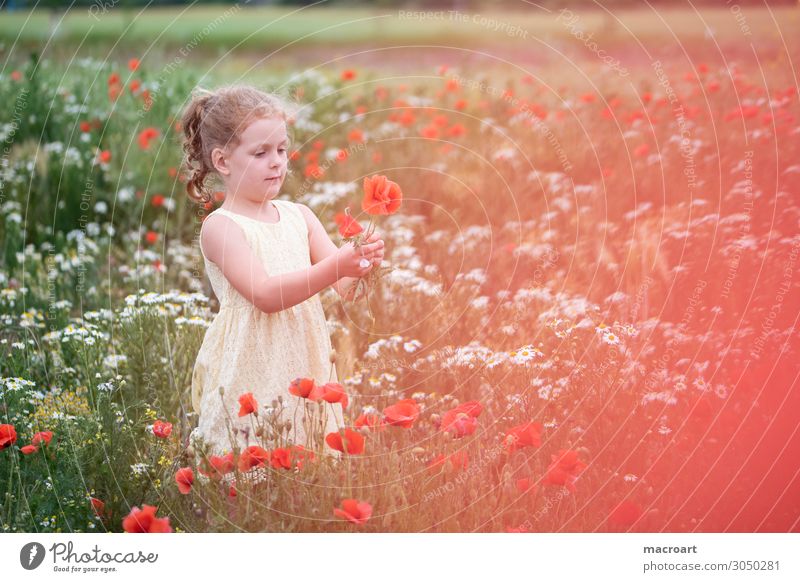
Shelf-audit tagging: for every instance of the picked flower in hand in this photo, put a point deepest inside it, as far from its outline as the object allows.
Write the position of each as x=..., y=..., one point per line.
x=381, y=197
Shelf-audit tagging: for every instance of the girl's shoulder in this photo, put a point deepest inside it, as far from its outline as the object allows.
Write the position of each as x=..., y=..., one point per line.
x=216, y=230
x=304, y=212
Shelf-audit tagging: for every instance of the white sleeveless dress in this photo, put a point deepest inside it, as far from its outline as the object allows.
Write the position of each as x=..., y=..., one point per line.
x=248, y=350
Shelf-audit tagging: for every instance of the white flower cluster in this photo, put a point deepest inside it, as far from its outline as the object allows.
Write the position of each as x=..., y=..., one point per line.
x=408, y=280
x=393, y=343
x=139, y=469
x=326, y=194
x=87, y=333
x=174, y=296
x=470, y=238
x=113, y=361
x=15, y=384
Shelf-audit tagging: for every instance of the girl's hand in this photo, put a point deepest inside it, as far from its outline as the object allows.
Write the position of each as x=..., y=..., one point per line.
x=378, y=256
x=348, y=259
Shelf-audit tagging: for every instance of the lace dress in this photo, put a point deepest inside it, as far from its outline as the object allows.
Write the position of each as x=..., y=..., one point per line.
x=248, y=350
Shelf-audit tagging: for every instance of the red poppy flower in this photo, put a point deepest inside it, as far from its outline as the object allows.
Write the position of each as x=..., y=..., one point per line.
x=564, y=469
x=334, y=392
x=145, y=521
x=8, y=436
x=151, y=237
x=146, y=135
x=305, y=388
x=429, y=131
x=402, y=414
x=354, y=510
x=16, y=75
x=247, y=404
x=352, y=442
x=157, y=200
x=301, y=454
x=461, y=420
x=523, y=435
x=162, y=429
x=348, y=75
x=281, y=458
x=98, y=507
x=86, y=127
x=184, y=478
x=452, y=84
x=459, y=423
x=348, y=226
x=314, y=171
x=28, y=449
x=471, y=407
x=355, y=135
x=456, y=130
x=45, y=436
x=219, y=466
x=133, y=64
x=104, y=156
x=253, y=456
x=625, y=514
x=381, y=195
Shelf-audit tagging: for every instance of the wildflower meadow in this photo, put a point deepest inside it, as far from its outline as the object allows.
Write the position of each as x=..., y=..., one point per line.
x=585, y=320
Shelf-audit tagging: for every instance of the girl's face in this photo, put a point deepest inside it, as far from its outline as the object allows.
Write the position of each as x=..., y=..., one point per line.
x=256, y=168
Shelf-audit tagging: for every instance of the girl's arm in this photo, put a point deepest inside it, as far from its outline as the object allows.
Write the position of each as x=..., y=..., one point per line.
x=224, y=243
x=322, y=247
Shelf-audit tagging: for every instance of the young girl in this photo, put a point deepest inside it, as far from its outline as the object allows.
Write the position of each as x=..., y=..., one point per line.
x=267, y=261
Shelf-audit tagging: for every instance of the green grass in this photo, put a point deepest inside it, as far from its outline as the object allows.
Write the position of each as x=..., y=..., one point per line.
x=270, y=27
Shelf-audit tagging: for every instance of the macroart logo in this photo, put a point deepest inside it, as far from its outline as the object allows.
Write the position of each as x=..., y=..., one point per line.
x=31, y=555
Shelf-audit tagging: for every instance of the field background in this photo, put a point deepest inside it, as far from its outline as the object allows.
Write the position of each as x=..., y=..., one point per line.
x=606, y=262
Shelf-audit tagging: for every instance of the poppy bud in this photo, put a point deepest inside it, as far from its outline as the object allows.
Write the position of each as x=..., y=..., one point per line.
x=274, y=403
x=417, y=451
x=260, y=431
x=333, y=356
x=190, y=452
x=221, y=391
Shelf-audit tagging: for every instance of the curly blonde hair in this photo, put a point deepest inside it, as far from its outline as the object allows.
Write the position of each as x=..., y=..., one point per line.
x=216, y=119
